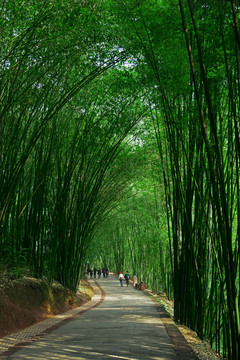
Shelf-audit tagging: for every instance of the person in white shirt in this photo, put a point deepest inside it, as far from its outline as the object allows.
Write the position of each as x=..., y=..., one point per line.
x=134, y=280
x=121, y=278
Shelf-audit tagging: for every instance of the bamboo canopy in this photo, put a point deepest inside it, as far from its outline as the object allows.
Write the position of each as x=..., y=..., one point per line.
x=119, y=147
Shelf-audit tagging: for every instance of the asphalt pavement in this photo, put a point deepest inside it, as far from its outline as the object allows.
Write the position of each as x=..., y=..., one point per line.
x=119, y=323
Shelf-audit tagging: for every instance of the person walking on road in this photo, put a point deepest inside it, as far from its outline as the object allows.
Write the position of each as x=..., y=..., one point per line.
x=121, y=278
x=127, y=277
x=134, y=280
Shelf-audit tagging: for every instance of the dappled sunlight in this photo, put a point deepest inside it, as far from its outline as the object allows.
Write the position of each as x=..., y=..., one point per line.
x=124, y=326
x=121, y=357
x=120, y=297
x=73, y=352
x=141, y=319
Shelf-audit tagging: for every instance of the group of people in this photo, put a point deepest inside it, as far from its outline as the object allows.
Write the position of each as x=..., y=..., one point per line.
x=105, y=272
x=98, y=272
x=125, y=277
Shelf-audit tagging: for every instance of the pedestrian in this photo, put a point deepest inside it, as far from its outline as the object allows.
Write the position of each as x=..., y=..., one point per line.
x=95, y=271
x=99, y=273
x=104, y=271
x=121, y=278
x=135, y=280
x=127, y=277
x=91, y=273
x=107, y=272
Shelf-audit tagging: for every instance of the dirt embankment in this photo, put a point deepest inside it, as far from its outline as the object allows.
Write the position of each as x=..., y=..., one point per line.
x=26, y=301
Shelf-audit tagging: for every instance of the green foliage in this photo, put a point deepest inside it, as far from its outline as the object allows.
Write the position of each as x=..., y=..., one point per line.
x=120, y=146
x=134, y=235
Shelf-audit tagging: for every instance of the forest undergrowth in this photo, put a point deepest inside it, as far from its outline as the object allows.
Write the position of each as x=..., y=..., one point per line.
x=201, y=348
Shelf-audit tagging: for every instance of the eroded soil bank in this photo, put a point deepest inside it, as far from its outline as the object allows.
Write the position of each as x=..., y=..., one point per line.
x=26, y=301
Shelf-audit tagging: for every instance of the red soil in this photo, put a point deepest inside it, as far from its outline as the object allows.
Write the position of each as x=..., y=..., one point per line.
x=27, y=301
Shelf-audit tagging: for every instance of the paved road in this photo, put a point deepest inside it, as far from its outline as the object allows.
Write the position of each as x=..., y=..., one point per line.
x=125, y=326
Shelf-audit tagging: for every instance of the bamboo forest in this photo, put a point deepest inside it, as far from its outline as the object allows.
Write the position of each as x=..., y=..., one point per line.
x=120, y=147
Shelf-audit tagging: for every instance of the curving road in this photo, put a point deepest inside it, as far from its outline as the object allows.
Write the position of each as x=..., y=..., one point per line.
x=125, y=325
